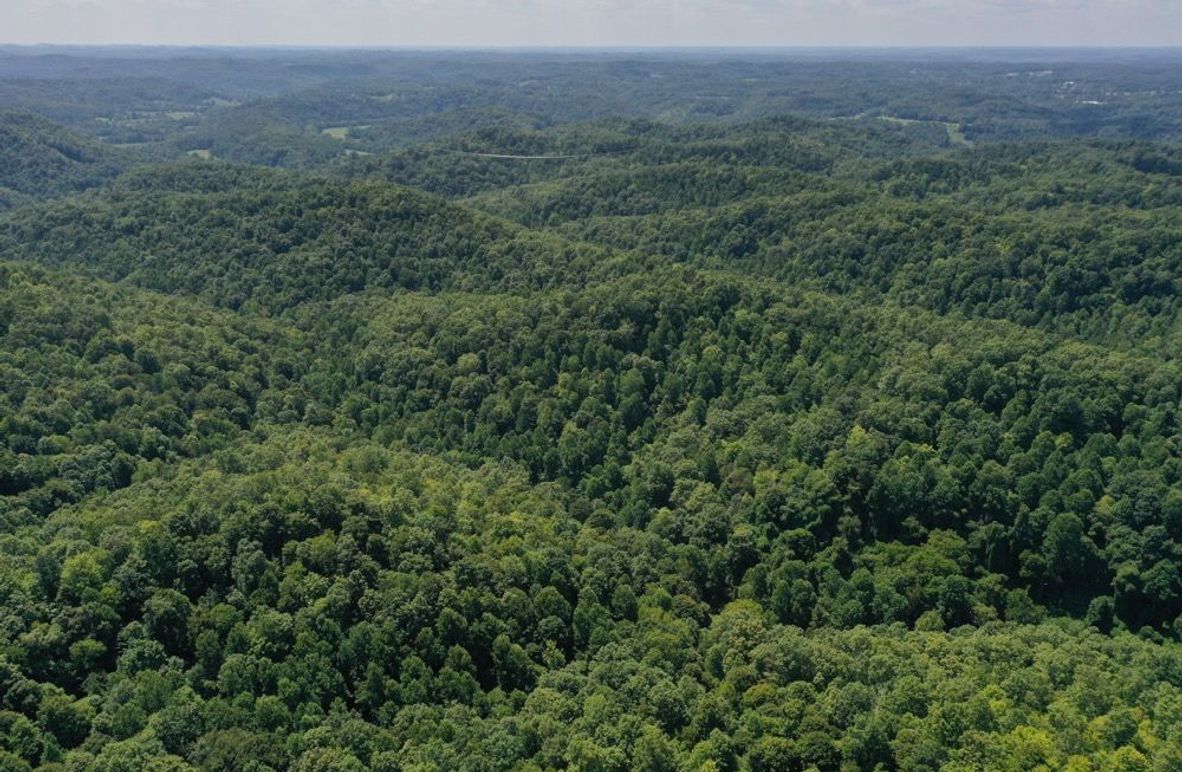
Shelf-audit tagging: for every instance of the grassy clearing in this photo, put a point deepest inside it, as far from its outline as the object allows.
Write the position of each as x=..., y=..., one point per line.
x=955, y=131
x=340, y=132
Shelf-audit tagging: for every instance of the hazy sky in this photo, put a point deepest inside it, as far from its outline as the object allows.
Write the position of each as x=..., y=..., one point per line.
x=594, y=22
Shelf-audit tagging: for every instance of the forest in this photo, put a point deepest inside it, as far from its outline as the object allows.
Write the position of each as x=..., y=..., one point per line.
x=677, y=412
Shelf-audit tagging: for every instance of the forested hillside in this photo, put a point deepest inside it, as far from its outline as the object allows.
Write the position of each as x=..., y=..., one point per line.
x=39, y=159
x=506, y=428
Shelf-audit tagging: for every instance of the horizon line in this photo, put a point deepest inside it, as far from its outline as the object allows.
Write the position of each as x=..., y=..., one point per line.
x=611, y=47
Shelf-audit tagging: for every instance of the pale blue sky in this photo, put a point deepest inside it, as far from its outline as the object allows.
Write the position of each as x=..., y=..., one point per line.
x=595, y=22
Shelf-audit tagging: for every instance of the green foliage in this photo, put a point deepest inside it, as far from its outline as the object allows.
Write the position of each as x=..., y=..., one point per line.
x=330, y=239
x=39, y=159
x=729, y=441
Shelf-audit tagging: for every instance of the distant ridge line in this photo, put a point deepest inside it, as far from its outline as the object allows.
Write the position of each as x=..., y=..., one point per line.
x=530, y=157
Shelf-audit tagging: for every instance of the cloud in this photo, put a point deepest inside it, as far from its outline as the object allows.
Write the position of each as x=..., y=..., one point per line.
x=596, y=22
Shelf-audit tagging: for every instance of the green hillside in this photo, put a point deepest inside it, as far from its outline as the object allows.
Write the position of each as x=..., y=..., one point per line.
x=39, y=159
x=559, y=435
x=270, y=241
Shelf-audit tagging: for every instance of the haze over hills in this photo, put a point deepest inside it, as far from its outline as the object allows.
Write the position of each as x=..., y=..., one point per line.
x=599, y=410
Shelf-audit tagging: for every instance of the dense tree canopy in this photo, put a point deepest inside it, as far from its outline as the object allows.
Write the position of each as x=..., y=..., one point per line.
x=39, y=159
x=706, y=440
